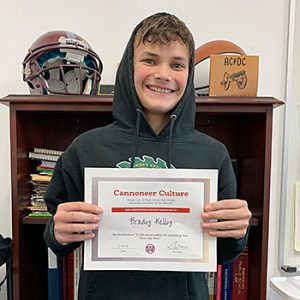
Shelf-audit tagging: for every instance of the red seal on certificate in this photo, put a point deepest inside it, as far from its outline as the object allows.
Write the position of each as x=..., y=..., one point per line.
x=150, y=248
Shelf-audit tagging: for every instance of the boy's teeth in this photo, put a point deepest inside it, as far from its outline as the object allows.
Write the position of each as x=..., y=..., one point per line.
x=159, y=90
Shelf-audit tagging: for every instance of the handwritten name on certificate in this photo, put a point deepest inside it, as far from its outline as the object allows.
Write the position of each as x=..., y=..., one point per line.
x=151, y=219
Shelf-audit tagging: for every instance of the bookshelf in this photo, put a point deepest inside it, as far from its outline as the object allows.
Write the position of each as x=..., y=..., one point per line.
x=244, y=125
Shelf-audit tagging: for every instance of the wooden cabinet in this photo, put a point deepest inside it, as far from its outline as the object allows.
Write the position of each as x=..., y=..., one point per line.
x=244, y=125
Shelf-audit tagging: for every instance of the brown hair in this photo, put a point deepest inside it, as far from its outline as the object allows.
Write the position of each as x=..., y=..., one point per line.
x=164, y=28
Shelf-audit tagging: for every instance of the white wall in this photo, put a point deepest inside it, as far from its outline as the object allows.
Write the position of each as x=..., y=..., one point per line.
x=291, y=167
x=260, y=27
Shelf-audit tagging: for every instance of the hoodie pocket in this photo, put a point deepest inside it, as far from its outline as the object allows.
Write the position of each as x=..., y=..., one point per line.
x=137, y=285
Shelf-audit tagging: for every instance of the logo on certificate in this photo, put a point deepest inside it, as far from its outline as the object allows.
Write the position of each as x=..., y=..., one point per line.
x=150, y=248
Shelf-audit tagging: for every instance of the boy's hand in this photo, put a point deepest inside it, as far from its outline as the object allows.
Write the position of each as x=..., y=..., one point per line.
x=75, y=221
x=232, y=215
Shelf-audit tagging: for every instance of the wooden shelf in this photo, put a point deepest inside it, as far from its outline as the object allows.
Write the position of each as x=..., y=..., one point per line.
x=35, y=220
x=244, y=125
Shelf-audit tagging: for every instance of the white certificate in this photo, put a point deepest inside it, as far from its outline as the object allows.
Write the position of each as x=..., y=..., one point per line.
x=151, y=219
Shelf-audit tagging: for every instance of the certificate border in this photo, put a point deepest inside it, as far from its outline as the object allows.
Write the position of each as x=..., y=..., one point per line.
x=95, y=192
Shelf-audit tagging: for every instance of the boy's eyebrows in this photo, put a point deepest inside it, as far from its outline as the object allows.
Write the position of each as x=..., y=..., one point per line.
x=152, y=54
x=148, y=53
x=181, y=58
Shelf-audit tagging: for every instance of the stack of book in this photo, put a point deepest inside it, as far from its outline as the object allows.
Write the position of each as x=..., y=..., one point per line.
x=38, y=206
x=63, y=275
x=230, y=282
x=44, y=161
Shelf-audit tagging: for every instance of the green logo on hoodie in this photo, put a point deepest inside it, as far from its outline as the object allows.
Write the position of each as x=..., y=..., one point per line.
x=144, y=162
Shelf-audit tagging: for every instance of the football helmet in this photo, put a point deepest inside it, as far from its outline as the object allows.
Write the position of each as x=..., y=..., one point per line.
x=202, y=61
x=62, y=62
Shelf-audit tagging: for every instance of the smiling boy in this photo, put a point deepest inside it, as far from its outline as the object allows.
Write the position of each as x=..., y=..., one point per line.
x=154, y=112
x=160, y=78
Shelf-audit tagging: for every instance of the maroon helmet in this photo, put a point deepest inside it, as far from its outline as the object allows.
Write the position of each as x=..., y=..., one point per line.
x=62, y=62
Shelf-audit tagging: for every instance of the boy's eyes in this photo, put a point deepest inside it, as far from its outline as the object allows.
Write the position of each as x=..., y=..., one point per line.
x=176, y=66
x=149, y=61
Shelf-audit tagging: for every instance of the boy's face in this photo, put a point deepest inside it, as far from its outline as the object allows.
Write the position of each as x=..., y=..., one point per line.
x=160, y=77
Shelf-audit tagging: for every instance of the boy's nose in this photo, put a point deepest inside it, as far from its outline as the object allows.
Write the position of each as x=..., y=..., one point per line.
x=162, y=73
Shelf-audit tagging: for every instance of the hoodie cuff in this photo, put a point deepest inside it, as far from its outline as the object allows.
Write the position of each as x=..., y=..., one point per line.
x=58, y=248
x=229, y=248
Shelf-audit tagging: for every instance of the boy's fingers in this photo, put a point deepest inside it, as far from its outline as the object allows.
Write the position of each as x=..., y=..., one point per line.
x=76, y=228
x=226, y=225
x=228, y=214
x=76, y=217
x=237, y=234
x=226, y=204
x=80, y=206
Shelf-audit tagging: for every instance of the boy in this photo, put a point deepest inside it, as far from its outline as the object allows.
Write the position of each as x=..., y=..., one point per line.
x=154, y=111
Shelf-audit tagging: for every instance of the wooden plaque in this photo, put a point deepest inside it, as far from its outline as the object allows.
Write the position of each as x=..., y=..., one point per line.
x=233, y=75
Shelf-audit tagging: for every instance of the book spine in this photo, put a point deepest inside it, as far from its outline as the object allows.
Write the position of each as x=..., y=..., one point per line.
x=77, y=267
x=211, y=285
x=75, y=273
x=70, y=275
x=64, y=278
x=40, y=178
x=219, y=282
x=40, y=215
x=54, y=276
x=41, y=156
x=226, y=281
x=47, y=151
x=240, y=276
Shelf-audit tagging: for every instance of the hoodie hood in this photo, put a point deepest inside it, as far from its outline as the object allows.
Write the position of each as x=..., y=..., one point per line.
x=126, y=105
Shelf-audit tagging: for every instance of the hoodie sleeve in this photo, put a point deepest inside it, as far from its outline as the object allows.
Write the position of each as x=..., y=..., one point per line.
x=228, y=248
x=62, y=188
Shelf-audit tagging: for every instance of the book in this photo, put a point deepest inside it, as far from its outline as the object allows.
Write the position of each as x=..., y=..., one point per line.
x=44, y=170
x=77, y=268
x=40, y=178
x=240, y=276
x=37, y=205
x=65, y=278
x=47, y=151
x=47, y=164
x=42, y=156
x=43, y=161
x=210, y=279
x=70, y=276
x=54, y=276
x=226, y=281
x=219, y=282
x=40, y=215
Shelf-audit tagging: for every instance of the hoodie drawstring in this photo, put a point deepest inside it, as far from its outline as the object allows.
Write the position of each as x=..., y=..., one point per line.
x=173, y=119
x=136, y=137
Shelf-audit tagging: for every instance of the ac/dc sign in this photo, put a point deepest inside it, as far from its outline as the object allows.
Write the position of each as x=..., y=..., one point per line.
x=235, y=61
x=233, y=75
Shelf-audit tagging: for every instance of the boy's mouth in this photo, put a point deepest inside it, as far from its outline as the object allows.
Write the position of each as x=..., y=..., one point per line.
x=160, y=90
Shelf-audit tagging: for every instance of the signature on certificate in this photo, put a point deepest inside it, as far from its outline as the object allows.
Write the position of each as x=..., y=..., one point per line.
x=177, y=246
x=144, y=222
